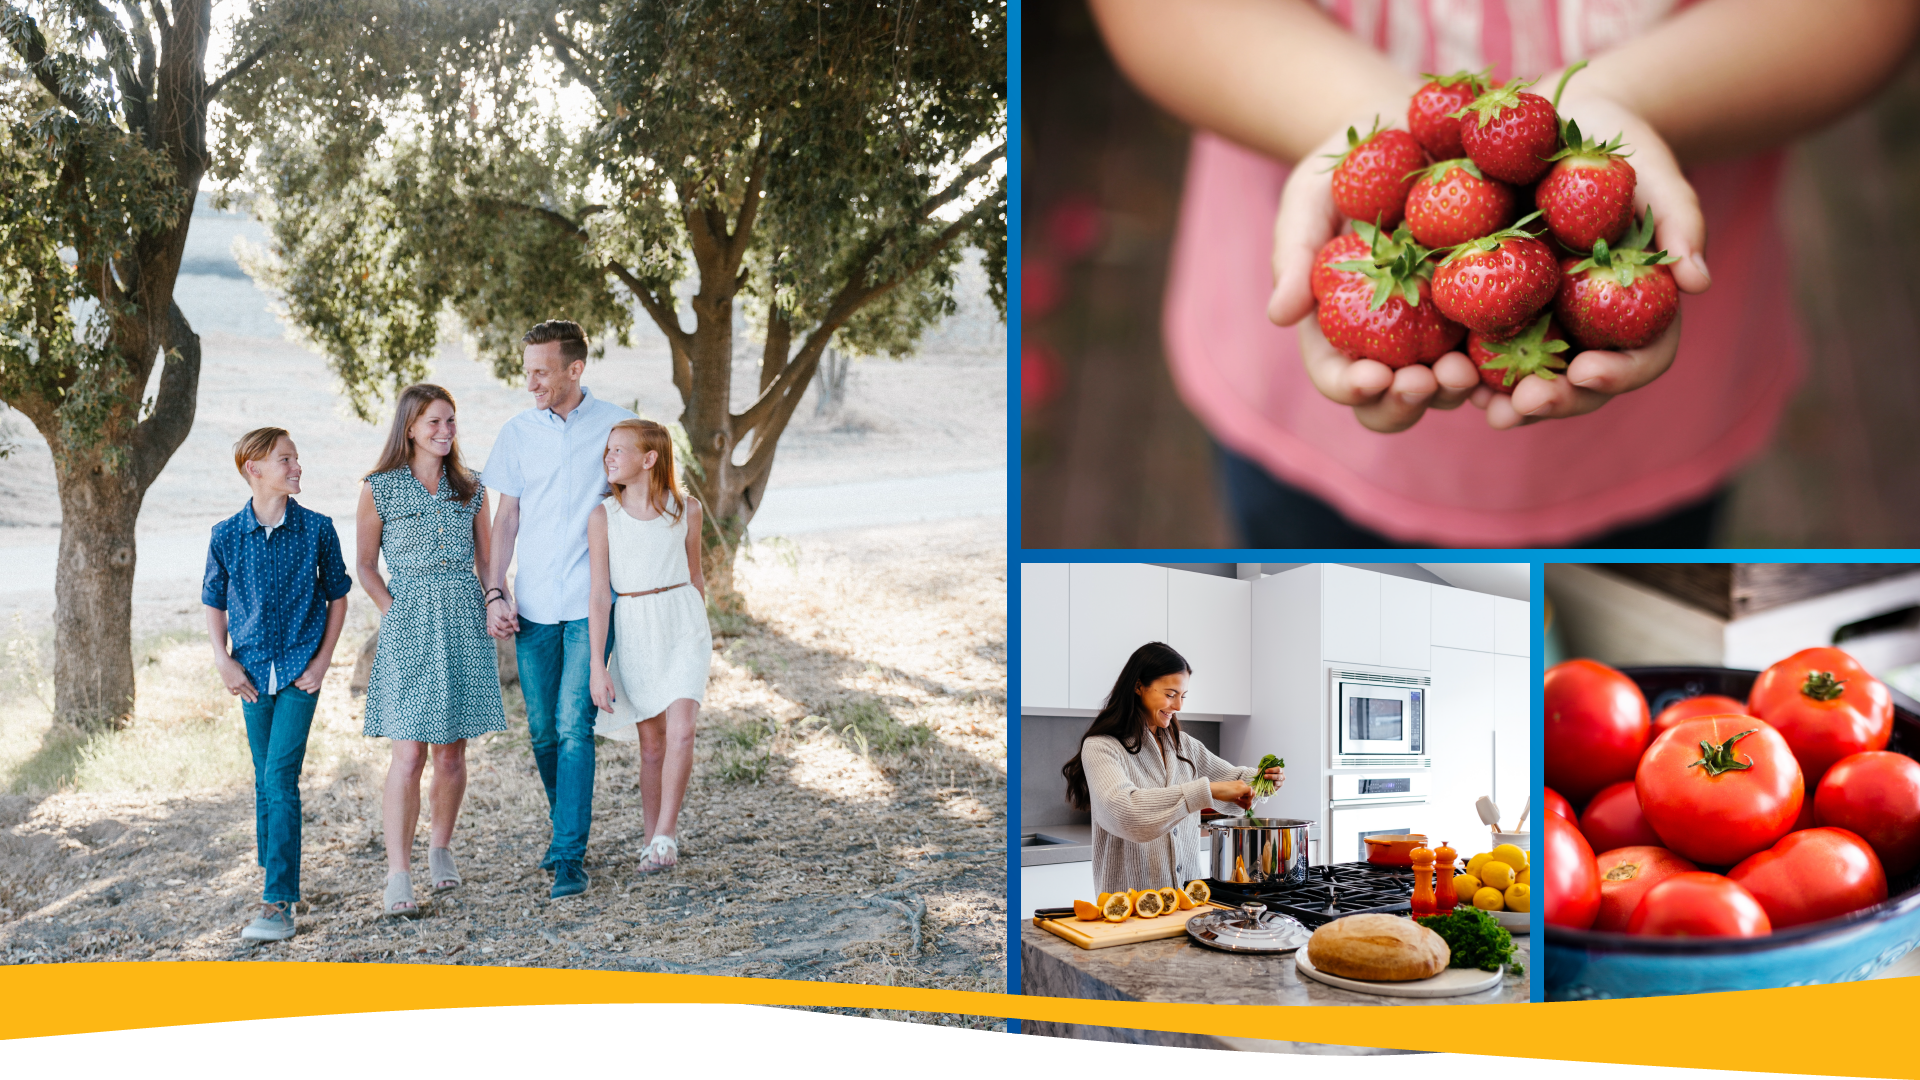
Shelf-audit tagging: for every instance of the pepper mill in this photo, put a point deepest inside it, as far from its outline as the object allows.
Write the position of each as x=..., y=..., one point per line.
x=1423, y=900
x=1444, y=897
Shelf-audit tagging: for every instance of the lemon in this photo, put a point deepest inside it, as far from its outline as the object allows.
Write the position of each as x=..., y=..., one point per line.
x=1521, y=878
x=1116, y=907
x=1465, y=885
x=1496, y=874
x=1487, y=900
x=1516, y=897
x=1511, y=855
x=1199, y=890
x=1149, y=904
x=1474, y=864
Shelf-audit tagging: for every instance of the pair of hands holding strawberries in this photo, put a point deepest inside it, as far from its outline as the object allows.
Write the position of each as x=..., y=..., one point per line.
x=1380, y=342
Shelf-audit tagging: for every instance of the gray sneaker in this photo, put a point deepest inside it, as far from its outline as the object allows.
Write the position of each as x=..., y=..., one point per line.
x=275, y=923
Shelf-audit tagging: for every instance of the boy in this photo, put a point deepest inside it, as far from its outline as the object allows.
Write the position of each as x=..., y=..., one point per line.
x=277, y=586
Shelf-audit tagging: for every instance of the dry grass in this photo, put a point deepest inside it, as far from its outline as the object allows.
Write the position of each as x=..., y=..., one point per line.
x=850, y=773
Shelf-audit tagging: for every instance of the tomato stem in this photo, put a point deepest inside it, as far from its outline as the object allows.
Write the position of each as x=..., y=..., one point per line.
x=1822, y=686
x=1721, y=758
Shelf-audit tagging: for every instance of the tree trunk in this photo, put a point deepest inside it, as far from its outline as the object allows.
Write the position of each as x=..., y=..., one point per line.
x=93, y=588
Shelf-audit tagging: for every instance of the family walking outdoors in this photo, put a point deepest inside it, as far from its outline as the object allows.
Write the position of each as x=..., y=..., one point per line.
x=588, y=499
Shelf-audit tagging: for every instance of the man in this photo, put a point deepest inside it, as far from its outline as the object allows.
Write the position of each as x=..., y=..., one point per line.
x=546, y=467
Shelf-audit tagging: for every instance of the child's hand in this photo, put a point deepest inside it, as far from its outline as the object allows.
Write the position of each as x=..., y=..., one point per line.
x=601, y=686
x=1382, y=399
x=236, y=680
x=1595, y=376
x=311, y=678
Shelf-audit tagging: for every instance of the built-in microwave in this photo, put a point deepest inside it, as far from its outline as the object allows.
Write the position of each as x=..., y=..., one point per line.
x=1380, y=719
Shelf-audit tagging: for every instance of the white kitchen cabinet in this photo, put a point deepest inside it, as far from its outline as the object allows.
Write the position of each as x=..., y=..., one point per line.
x=1043, y=636
x=1054, y=885
x=1112, y=609
x=1462, y=619
x=1513, y=744
x=1406, y=622
x=1349, y=614
x=1461, y=713
x=1208, y=622
x=1512, y=628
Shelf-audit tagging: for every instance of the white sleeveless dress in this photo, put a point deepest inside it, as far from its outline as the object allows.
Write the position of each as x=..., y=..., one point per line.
x=662, y=646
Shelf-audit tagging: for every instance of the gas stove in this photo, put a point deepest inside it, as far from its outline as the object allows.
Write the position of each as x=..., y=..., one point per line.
x=1329, y=893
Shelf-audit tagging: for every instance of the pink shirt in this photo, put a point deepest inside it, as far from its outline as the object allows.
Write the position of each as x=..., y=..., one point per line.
x=1451, y=480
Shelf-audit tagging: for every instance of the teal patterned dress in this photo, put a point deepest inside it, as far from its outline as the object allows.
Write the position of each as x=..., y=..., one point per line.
x=435, y=676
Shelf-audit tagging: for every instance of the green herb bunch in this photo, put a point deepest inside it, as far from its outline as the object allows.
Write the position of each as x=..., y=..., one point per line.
x=1476, y=938
x=1263, y=787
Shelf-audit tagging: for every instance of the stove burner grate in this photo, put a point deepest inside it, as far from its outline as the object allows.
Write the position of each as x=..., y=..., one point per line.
x=1329, y=893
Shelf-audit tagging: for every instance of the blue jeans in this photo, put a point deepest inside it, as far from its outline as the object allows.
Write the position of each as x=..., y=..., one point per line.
x=277, y=726
x=554, y=673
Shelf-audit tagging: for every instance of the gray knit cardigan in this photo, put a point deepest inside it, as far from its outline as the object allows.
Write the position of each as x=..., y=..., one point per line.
x=1146, y=810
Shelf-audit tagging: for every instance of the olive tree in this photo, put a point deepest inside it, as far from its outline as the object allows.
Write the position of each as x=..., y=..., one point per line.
x=819, y=167
x=103, y=146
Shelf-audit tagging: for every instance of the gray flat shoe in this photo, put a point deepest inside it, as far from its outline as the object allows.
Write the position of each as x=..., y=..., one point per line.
x=441, y=871
x=274, y=925
x=399, y=903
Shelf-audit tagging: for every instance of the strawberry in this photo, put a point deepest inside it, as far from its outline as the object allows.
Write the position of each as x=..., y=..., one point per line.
x=1389, y=314
x=1510, y=133
x=1432, y=114
x=1371, y=179
x=1533, y=351
x=1396, y=332
x=1587, y=195
x=1618, y=297
x=1497, y=283
x=1363, y=245
x=1452, y=202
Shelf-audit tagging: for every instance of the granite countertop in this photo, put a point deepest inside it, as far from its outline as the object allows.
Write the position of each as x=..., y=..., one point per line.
x=1178, y=970
x=1061, y=844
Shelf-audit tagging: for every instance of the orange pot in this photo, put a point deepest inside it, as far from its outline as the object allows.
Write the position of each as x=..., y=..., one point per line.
x=1393, y=850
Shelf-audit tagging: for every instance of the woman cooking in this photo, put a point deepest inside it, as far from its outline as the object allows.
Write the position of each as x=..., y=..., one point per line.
x=1146, y=781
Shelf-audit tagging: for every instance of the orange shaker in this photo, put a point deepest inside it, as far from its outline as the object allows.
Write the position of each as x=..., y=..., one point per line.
x=1444, y=897
x=1423, y=899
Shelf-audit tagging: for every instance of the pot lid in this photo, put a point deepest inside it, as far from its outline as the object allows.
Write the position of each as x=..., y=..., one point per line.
x=1251, y=928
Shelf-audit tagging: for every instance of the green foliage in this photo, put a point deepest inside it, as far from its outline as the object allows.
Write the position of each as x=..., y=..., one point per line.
x=866, y=725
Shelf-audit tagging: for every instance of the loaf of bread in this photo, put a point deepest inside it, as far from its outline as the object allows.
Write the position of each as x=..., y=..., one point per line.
x=1386, y=948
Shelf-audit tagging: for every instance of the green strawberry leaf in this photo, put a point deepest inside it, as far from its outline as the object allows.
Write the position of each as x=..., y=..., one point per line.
x=1527, y=353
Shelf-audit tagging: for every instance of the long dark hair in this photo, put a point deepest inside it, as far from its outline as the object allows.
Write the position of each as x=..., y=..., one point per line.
x=398, y=452
x=1123, y=717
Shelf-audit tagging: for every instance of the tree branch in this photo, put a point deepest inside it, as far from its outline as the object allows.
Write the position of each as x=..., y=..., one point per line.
x=31, y=45
x=749, y=209
x=160, y=16
x=959, y=185
x=565, y=47
x=241, y=68
x=161, y=433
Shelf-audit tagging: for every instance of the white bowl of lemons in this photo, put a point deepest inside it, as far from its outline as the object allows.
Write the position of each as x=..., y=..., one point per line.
x=1498, y=883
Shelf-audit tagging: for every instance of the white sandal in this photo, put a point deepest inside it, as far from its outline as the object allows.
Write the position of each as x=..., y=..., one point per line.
x=661, y=853
x=399, y=902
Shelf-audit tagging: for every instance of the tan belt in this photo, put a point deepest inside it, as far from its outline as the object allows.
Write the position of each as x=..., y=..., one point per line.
x=650, y=592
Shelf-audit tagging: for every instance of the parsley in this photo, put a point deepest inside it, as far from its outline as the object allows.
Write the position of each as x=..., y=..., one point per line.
x=1476, y=938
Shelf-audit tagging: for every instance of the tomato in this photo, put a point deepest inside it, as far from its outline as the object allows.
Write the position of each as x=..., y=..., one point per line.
x=1806, y=818
x=1876, y=796
x=1613, y=820
x=1704, y=705
x=1813, y=874
x=1719, y=807
x=1825, y=705
x=1625, y=876
x=1572, y=882
x=1596, y=728
x=1558, y=804
x=1699, y=904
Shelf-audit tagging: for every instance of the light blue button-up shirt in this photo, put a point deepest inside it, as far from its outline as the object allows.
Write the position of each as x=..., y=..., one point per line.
x=556, y=468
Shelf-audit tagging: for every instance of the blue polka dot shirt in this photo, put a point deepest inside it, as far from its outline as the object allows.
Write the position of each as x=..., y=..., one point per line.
x=274, y=586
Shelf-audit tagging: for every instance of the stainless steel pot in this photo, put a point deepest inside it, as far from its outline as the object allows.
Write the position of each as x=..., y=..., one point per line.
x=1270, y=851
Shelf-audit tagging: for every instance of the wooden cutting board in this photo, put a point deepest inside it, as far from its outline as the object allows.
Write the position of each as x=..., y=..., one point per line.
x=1103, y=934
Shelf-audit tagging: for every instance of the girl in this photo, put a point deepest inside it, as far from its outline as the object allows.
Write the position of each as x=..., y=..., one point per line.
x=1146, y=781
x=435, y=682
x=644, y=542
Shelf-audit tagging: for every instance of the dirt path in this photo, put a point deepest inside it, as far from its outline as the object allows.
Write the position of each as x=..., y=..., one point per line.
x=846, y=820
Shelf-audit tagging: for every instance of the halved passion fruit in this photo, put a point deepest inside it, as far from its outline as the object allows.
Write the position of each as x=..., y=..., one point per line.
x=1197, y=889
x=1116, y=907
x=1149, y=905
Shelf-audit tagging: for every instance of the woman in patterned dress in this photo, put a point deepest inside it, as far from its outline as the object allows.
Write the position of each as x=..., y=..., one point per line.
x=435, y=682
x=643, y=544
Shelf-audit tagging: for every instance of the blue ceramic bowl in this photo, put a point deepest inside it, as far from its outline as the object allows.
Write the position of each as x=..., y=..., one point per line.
x=1590, y=964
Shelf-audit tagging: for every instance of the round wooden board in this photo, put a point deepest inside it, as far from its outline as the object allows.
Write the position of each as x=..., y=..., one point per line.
x=1450, y=983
